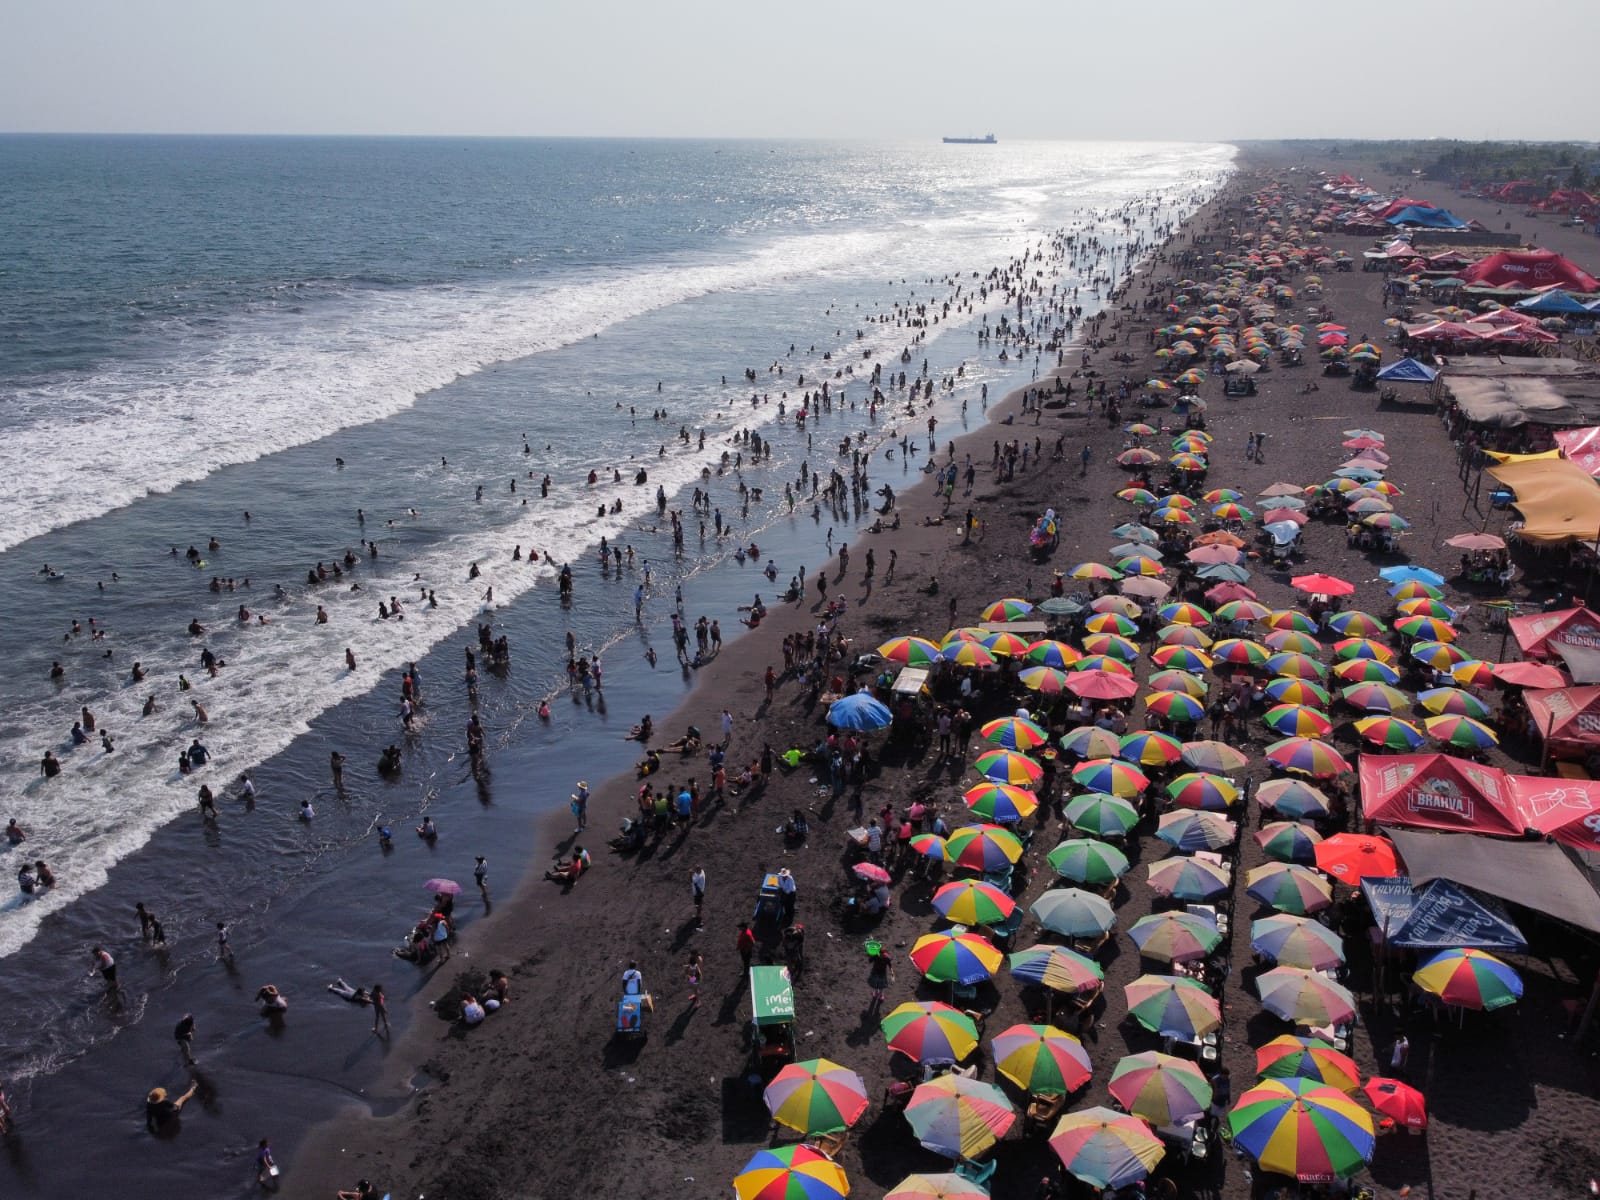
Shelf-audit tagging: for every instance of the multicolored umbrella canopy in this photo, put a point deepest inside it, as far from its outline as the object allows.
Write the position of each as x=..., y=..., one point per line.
x=910, y=651
x=1174, y=680
x=1184, y=635
x=1250, y=610
x=1469, y=979
x=798, y=1172
x=1240, y=652
x=1106, y=1149
x=946, y=1186
x=1174, y=936
x=1297, y=720
x=1355, y=623
x=1014, y=733
x=1151, y=749
x=1058, y=968
x=967, y=654
x=1214, y=756
x=926, y=1029
x=1007, y=610
x=1449, y=701
x=1073, y=912
x=1088, y=860
x=1296, y=666
x=1188, y=879
x=1041, y=1059
x=1047, y=681
x=1199, y=789
x=1175, y=706
x=1416, y=590
x=1050, y=653
x=816, y=1096
x=1427, y=629
x=1102, y=815
x=1304, y=997
x=1112, y=776
x=959, y=1117
x=1359, y=647
x=1290, y=1057
x=982, y=847
x=929, y=845
x=1289, y=618
x=1289, y=841
x=1390, y=732
x=973, y=902
x=1111, y=622
x=1090, y=741
x=1352, y=857
x=1109, y=645
x=1008, y=766
x=1293, y=798
x=1298, y=691
x=1289, y=641
x=1173, y=1005
x=1376, y=697
x=1441, y=656
x=1293, y=941
x=1195, y=829
x=1007, y=645
x=1399, y=1101
x=1302, y=1129
x=1001, y=803
x=1161, y=1088
x=1183, y=613
x=1308, y=756
x=1289, y=887
x=1461, y=731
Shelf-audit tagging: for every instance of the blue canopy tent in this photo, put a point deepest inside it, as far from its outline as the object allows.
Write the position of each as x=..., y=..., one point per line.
x=1428, y=218
x=859, y=711
x=1440, y=915
x=1409, y=370
x=1552, y=303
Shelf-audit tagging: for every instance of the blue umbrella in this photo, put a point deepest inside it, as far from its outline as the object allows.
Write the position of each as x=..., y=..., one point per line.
x=859, y=711
x=1410, y=572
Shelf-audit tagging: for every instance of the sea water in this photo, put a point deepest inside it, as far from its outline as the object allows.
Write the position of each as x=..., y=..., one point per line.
x=196, y=328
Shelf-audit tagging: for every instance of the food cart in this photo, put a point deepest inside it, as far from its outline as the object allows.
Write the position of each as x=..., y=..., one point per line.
x=772, y=1044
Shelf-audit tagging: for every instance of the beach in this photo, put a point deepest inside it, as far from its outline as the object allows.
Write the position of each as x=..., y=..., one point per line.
x=543, y=1099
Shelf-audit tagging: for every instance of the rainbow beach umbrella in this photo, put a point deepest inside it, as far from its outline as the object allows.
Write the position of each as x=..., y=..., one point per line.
x=798, y=1172
x=1297, y=720
x=959, y=1117
x=1199, y=789
x=1188, y=879
x=1195, y=829
x=1161, y=1088
x=816, y=1097
x=1106, y=1149
x=1390, y=732
x=1290, y=1057
x=1173, y=1004
x=946, y=1186
x=1302, y=1129
x=949, y=957
x=1090, y=741
x=1041, y=1059
x=1289, y=887
x=1293, y=798
x=1088, y=860
x=1289, y=841
x=1072, y=912
x=1151, y=749
x=982, y=847
x=1292, y=941
x=910, y=651
x=1304, y=997
x=1307, y=756
x=926, y=1029
x=1007, y=766
x=1174, y=936
x=972, y=902
x=1102, y=814
x=1014, y=733
x=1461, y=731
x=1112, y=776
x=1007, y=610
x=1050, y=653
x=1469, y=979
x=1057, y=968
x=1000, y=803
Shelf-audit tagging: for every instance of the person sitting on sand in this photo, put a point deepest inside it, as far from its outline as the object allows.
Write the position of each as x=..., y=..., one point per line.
x=472, y=1012
x=649, y=764
x=570, y=871
x=363, y=1191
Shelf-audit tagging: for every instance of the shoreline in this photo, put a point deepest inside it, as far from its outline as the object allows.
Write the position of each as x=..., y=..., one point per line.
x=504, y=939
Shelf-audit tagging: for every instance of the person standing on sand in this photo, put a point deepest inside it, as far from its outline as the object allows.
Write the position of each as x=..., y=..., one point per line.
x=727, y=728
x=480, y=873
x=745, y=944
x=694, y=971
x=880, y=973
x=580, y=806
x=697, y=890
x=380, y=1009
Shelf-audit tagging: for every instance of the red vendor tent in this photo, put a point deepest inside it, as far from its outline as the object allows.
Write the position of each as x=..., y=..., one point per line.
x=1567, y=810
x=1575, y=626
x=1531, y=270
x=1438, y=791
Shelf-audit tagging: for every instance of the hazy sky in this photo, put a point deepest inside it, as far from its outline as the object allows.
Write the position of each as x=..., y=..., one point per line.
x=1213, y=69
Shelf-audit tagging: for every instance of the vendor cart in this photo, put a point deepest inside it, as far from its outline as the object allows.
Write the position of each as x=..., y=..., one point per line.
x=772, y=1045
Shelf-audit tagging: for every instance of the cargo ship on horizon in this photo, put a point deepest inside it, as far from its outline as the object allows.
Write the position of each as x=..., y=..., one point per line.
x=987, y=139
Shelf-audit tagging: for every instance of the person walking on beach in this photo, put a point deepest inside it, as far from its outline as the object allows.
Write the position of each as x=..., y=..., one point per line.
x=880, y=973
x=380, y=1009
x=1085, y=458
x=697, y=889
x=745, y=944
x=694, y=971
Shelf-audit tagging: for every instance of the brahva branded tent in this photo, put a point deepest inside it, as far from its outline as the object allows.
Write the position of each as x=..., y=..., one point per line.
x=1567, y=810
x=1567, y=718
x=1529, y=270
x=1437, y=791
x=1577, y=626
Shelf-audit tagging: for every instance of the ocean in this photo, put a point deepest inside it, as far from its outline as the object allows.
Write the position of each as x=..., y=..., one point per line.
x=418, y=331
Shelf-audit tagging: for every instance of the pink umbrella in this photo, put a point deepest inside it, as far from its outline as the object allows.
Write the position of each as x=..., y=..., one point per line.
x=1101, y=685
x=1224, y=592
x=1531, y=675
x=871, y=872
x=1214, y=554
x=1476, y=541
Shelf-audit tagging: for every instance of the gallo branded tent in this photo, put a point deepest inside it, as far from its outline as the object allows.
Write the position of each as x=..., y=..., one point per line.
x=1437, y=791
x=1576, y=626
x=1439, y=916
x=1530, y=270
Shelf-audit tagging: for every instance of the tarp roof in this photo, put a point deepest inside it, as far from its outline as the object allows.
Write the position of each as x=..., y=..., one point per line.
x=1536, y=875
x=1438, y=916
x=1409, y=370
x=1553, y=301
x=1437, y=791
x=1530, y=270
x=1535, y=629
x=1508, y=368
x=1558, y=500
x=1565, y=809
x=1429, y=218
x=1400, y=205
x=1505, y=403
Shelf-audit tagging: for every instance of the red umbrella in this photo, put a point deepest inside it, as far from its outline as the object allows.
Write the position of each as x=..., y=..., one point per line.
x=1398, y=1100
x=1352, y=857
x=1224, y=592
x=871, y=872
x=1530, y=674
x=1101, y=685
x=1323, y=585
